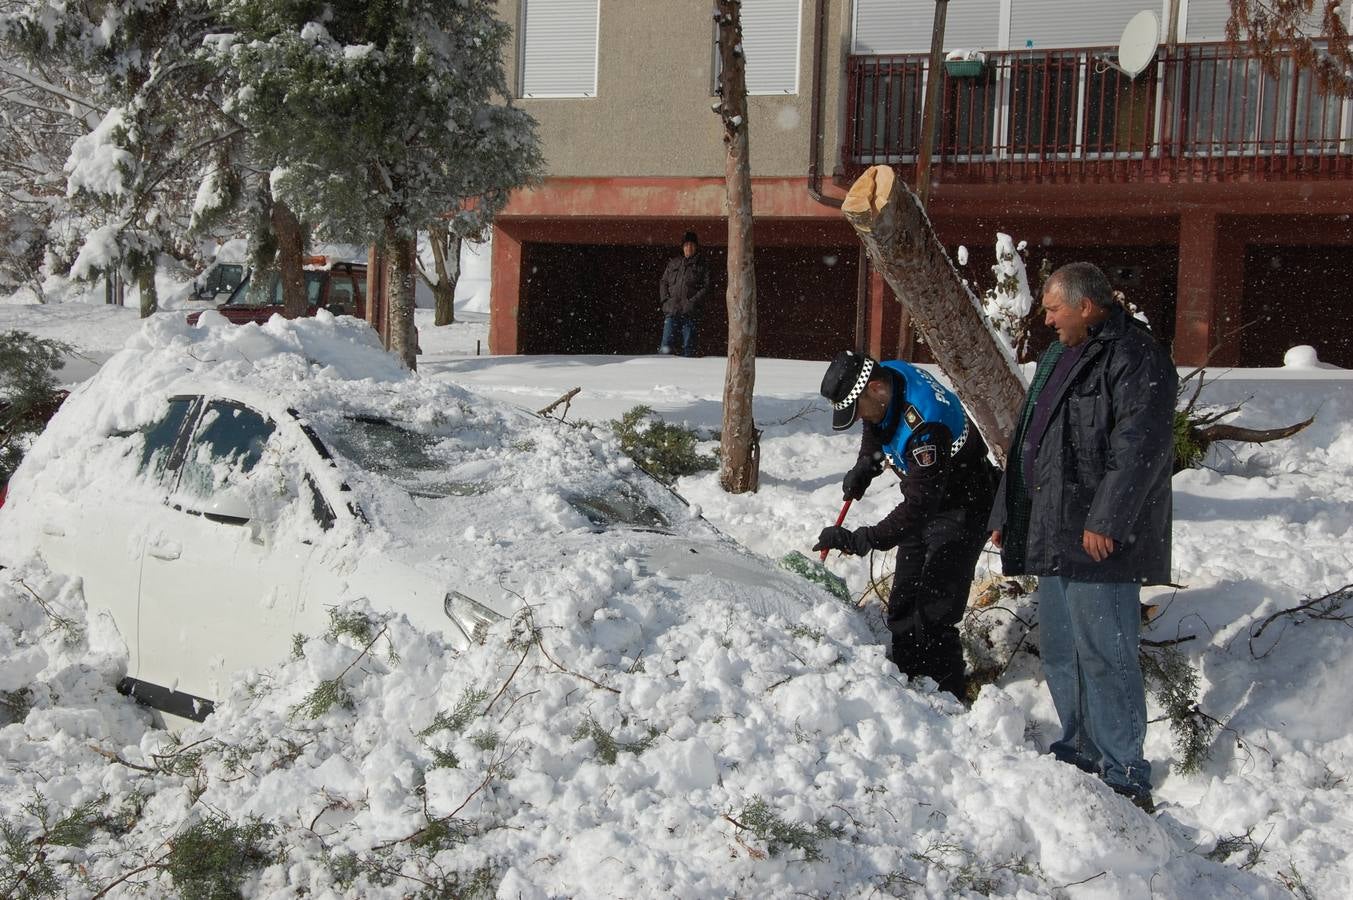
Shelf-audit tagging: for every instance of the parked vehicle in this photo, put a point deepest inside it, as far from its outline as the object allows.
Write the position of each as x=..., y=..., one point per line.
x=339, y=287
x=218, y=489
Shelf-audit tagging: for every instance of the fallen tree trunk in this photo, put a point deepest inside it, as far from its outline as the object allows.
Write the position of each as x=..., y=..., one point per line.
x=902, y=245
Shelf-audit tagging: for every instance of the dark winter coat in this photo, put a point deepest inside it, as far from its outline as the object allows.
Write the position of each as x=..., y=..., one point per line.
x=1104, y=464
x=685, y=285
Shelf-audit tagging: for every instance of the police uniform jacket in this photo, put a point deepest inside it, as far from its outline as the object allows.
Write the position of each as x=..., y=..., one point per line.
x=940, y=458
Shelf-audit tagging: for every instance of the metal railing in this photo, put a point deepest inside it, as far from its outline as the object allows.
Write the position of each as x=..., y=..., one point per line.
x=1201, y=112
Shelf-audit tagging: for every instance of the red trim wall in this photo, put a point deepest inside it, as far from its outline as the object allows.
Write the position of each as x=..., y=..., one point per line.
x=1210, y=224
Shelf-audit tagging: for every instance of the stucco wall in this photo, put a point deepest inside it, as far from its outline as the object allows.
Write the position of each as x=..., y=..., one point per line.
x=651, y=115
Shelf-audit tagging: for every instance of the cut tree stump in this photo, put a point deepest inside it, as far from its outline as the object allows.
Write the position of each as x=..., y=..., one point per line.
x=902, y=245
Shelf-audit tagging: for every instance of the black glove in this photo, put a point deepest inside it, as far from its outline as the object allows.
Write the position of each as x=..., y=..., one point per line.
x=857, y=479
x=834, y=537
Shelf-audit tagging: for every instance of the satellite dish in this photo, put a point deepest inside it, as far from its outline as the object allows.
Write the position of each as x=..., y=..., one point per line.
x=1138, y=46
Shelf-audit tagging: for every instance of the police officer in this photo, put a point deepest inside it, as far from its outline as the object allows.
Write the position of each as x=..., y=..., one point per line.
x=917, y=427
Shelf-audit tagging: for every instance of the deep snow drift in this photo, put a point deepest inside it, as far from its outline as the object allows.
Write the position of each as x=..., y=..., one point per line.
x=617, y=742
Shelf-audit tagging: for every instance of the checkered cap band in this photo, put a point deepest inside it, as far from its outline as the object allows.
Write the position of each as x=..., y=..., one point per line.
x=858, y=389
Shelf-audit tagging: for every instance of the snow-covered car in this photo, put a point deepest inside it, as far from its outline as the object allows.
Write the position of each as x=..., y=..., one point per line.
x=220, y=488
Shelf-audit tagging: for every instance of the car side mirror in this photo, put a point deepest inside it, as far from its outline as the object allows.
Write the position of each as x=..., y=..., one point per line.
x=229, y=508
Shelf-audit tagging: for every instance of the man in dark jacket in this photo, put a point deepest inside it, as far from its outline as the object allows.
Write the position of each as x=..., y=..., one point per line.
x=918, y=427
x=1085, y=504
x=684, y=286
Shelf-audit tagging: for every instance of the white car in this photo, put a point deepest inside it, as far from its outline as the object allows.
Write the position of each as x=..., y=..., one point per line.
x=220, y=488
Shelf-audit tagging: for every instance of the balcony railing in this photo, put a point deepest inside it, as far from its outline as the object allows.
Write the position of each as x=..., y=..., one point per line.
x=1200, y=112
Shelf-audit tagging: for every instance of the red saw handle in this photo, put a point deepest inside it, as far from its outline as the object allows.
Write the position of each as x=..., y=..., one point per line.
x=845, y=507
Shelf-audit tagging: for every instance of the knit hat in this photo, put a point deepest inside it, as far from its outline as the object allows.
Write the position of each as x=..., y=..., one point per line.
x=690, y=238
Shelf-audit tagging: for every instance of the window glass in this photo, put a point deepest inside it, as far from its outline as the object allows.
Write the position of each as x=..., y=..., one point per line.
x=340, y=293
x=1119, y=111
x=889, y=123
x=1236, y=107
x=314, y=281
x=158, y=451
x=968, y=122
x=1043, y=104
x=227, y=444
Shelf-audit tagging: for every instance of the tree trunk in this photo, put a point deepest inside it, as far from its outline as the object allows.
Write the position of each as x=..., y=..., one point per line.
x=290, y=249
x=739, y=447
x=446, y=257
x=145, y=284
x=263, y=254
x=403, y=336
x=903, y=247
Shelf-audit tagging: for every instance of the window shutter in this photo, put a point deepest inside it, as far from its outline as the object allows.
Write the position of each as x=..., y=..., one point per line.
x=884, y=27
x=1087, y=23
x=559, y=48
x=1206, y=20
x=770, y=44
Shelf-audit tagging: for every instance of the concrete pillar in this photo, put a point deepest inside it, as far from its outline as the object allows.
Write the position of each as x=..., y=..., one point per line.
x=1211, y=276
x=885, y=314
x=505, y=293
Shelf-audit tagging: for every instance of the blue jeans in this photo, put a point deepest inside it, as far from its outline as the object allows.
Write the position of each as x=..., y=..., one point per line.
x=671, y=326
x=1090, y=634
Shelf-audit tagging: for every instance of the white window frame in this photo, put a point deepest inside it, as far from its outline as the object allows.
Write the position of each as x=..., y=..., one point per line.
x=524, y=52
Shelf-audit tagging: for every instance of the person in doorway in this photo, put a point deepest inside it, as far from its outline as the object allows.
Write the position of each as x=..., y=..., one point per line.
x=1085, y=504
x=916, y=426
x=684, y=286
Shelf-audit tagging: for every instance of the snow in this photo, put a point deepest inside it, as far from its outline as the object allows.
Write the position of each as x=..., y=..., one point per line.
x=563, y=788
x=1303, y=356
x=97, y=163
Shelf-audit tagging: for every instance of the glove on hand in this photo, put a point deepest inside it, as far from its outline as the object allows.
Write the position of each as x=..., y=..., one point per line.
x=834, y=537
x=857, y=479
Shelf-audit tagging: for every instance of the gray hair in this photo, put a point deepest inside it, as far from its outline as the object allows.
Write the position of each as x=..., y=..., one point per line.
x=1083, y=279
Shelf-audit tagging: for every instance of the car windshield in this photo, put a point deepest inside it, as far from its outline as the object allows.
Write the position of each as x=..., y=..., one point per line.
x=416, y=462
x=246, y=295
x=434, y=466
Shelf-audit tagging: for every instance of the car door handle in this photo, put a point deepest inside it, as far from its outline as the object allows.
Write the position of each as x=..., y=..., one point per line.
x=167, y=550
x=53, y=530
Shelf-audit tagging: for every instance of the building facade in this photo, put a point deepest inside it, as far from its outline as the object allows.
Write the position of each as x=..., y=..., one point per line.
x=1216, y=195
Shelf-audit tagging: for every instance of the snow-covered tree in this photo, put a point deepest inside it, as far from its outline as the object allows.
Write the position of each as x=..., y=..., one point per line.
x=162, y=159
x=439, y=266
x=385, y=118
x=1007, y=302
x=44, y=109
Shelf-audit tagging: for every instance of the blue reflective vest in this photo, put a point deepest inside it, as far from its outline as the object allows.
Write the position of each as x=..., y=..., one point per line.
x=922, y=400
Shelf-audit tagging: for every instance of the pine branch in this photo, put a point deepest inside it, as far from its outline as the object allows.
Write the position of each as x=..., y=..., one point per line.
x=1333, y=611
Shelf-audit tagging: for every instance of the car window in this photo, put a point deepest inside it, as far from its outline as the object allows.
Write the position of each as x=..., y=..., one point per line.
x=227, y=444
x=224, y=277
x=158, y=453
x=314, y=281
x=231, y=276
x=340, y=293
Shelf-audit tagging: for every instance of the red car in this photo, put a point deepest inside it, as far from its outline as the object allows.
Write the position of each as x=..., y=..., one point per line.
x=339, y=288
